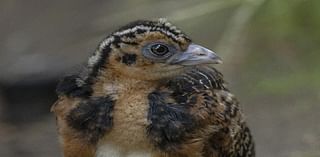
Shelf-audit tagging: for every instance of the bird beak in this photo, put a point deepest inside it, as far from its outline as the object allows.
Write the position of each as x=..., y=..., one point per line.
x=195, y=55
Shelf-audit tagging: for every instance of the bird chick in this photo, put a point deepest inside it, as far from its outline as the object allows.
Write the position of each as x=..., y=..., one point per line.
x=148, y=91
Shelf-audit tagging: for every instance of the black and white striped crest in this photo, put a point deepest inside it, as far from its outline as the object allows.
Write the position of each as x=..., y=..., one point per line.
x=127, y=34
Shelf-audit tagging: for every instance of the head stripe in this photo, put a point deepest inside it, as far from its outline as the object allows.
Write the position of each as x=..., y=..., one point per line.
x=99, y=58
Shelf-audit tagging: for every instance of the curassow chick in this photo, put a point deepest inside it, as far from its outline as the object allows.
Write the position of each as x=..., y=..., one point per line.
x=148, y=92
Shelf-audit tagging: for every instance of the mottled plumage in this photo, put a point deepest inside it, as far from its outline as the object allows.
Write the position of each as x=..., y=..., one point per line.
x=148, y=91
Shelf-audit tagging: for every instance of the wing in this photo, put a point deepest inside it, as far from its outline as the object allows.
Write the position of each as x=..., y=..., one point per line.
x=81, y=119
x=195, y=115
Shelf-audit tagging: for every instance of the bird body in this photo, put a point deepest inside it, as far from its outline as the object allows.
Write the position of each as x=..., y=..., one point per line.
x=128, y=135
x=148, y=92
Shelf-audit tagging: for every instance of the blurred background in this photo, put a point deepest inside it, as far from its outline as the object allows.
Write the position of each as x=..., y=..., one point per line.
x=270, y=48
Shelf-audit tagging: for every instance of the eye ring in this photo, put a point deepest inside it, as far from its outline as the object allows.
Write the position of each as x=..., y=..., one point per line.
x=159, y=49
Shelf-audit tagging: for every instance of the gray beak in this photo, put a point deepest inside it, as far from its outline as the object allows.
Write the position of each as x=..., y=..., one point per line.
x=195, y=55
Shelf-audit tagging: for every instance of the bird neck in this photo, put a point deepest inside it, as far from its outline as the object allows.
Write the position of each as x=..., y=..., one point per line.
x=112, y=84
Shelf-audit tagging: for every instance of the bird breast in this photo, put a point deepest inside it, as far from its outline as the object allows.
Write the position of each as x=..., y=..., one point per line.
x=128, y=133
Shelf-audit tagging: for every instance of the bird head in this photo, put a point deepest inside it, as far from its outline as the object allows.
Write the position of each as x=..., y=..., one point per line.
x=149, y=50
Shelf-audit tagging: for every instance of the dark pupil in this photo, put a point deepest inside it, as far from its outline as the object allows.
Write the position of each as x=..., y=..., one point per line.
x=159, y=49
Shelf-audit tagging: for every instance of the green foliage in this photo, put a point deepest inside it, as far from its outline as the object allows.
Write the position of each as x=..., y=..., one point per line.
x=284, y=49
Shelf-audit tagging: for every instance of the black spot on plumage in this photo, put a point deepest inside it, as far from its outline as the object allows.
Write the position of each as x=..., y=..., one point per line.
x=129, y=59
x=169, y=123
x=68, y=86
x=92, y=118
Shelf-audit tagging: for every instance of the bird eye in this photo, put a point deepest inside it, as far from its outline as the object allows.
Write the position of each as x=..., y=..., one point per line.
x=159, y=49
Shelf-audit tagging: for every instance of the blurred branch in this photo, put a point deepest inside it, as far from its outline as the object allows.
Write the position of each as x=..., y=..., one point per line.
x=180, y=14
x=230, y=43
x=201, y=9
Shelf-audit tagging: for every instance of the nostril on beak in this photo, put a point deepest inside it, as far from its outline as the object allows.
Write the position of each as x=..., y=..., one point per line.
x=195, y=55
